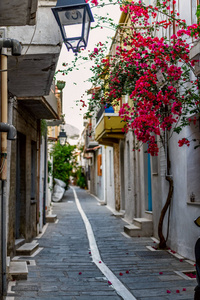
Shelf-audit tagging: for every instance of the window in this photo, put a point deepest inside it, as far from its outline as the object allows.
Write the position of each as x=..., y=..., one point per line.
x=194, y=4
x=110, y=167
x=193, y=163
x=128, y=165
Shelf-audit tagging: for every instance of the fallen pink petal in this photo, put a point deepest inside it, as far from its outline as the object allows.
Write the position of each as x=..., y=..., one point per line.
x=168, y=291
x=177, y=291
x=160, y=273
x=99, y=262
x=127, y=272
x=184, y=289
x=110, y=283
x=120, y=274
x=80, y=273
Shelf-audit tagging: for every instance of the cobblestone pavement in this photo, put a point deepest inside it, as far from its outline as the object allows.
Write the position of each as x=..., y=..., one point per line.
x=64, y=268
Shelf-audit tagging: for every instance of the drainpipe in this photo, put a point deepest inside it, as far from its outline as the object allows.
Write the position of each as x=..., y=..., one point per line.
x=8, y=131
x=4, y=113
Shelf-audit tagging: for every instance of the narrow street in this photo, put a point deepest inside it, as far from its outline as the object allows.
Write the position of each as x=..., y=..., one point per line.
x=86, y=256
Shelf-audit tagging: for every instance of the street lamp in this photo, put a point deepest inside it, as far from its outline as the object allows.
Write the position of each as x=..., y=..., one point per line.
x=74, y=18
x=62, y=137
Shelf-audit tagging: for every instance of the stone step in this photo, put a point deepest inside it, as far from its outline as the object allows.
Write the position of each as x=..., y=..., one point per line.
x=132, y=230
x=143, y=223
x=27, y=249
x=140, y=227
x=18, y=270
x=19, y=243
x=51, y=218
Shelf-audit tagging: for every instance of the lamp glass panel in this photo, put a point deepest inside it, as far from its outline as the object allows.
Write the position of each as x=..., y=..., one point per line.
x=74, y=31
x=87, y=26
x=72, y=18
x=62, y=140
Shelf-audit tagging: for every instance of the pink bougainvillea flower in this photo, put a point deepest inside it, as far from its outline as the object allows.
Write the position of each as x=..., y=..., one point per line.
x=99, y=262
x=168, y=291
x=183, y=141
x=110, y=283
x=184, y=289
x=120, y=274
x=95, y=2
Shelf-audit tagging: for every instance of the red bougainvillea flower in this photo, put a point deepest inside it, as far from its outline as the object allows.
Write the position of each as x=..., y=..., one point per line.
x=95, y=2
x=120, y=274
x=183, y=141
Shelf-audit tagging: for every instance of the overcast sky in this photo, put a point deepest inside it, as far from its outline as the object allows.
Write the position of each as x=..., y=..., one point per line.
x=72, y=92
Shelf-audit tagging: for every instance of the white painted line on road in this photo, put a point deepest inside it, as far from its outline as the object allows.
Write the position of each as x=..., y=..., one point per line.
x=116, y=283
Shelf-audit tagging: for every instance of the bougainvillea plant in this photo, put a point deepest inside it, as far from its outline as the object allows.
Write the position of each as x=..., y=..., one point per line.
x=151, y=64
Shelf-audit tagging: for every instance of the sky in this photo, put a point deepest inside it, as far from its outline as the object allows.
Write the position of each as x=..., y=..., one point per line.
x=73, y=92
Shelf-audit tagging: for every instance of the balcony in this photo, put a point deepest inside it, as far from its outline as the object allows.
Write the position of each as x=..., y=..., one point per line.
x=195, y=55
x=44, y=107
x=109, y=127
x=18, y=12
x=31, y=74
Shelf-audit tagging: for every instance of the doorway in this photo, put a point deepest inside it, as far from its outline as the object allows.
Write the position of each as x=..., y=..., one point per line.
x=20, y=186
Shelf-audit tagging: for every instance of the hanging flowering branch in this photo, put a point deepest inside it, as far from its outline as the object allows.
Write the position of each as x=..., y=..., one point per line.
x=153, y=69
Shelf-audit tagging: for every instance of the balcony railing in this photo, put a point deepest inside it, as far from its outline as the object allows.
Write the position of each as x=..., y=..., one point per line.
x=103, y=110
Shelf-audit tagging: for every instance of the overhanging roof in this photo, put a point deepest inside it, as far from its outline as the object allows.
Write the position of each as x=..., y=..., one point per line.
x=18, y=12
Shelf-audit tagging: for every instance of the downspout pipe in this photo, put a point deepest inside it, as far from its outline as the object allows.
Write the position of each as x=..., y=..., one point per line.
x=10, y=129
x=11, y=134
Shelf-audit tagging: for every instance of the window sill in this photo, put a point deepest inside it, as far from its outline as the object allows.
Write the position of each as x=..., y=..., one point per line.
x=194, y=203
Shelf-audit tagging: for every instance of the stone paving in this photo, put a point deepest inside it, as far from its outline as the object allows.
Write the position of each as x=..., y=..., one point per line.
x=64, y=268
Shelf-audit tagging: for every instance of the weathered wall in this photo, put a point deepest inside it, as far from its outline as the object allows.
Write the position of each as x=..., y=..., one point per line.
x=26, y=125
